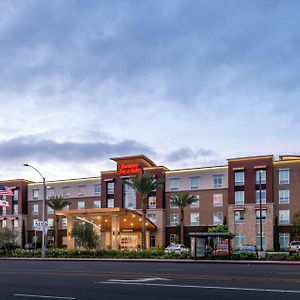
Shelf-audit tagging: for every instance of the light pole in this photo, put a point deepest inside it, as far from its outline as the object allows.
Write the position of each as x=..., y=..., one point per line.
x=260, y=212
x=43, y=210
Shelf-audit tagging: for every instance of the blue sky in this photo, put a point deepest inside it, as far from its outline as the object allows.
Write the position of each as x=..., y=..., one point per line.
x=189, y=83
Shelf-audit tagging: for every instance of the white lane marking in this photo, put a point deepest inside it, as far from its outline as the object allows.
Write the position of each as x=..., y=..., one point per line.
x=138, y=280
x=206, y=287
x=43, y=296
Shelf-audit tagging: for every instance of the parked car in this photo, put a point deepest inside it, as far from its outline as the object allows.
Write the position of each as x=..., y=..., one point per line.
x=294, y=247
x=249, y=249
x=176, y=248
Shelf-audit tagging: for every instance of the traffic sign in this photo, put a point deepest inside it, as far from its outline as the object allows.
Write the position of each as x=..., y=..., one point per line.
x=38, y=225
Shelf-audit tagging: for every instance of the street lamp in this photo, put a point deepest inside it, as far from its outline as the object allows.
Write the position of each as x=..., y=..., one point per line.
x=43, y=210
x=260, y=212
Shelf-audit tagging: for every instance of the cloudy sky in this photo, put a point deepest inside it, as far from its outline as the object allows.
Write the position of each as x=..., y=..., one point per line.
x=189, y=83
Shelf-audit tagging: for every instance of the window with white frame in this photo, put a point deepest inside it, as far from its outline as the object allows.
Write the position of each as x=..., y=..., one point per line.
x=196, y=204
x=174, y=219
x=284, y=216
x=16, y=209
x=218, y=180
x=50, y=193
x=4, y=223
x=239, y=198
x=110, y=188
x=111, y=203
x=50, y=223
x=50, y=210
x=35, y=194
x=263, y=196
x=194, y=221
x=239, y=240
x=152, y=202
x=97, y=189
x=174, y=184
x=218, y=218
x=81, y=205
x=263, y=176
x=35, y=209
x=284, y=196
x=239, y=217
x=15, y=223
x=81, y=190
x=284, y=240
x=66, y=192
x=129, y=197
x=284, y=176
x=263, y=216
x=239, y=178
x=264, y=240
x=97, y=203
x=4, y=211
x=16, y=194
x=64, y=222
x=152, y=217
x=217, y=200
x=194, y=180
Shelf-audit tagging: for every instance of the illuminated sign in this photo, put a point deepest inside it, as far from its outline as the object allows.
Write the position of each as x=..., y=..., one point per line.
x=127, y=169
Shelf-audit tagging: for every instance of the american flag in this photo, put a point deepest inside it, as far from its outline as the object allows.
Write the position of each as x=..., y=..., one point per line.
x=5, y=191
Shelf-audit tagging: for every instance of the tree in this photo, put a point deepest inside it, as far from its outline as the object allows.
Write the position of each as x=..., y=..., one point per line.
x=182, y=200
x=85, y=235
x=57, y=203
x=7, y=239
x=218, y=228
x=296, y=225
x=143, y=184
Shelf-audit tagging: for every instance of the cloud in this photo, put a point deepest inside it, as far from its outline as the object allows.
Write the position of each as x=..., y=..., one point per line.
x=30, y=147
x=184, y=154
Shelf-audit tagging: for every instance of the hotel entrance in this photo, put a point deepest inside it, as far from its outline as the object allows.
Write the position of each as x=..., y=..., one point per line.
x=119, y=228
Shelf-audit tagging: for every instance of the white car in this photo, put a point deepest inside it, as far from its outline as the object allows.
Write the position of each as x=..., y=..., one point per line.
x=176, y=248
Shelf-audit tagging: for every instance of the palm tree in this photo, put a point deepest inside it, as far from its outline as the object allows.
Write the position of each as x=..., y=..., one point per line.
x=182, y=200
x=57, y=203
x=143, y=184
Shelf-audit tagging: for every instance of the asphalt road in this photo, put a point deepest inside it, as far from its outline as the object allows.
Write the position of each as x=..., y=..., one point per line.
x=146, y=280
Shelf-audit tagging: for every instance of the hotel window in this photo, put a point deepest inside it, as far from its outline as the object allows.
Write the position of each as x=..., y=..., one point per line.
x=239, y=217
x=110, y=188
x=110, y=203
x=97, y=204
x=284, y=240
x=264, y=240
x=152, y=202
x=81, y=190
x=4, y=211
x=16, y=209
x=284, y=176
x=67, y=207
x=284, y=216
x=194, y=182
x=152, y=217
x=16, y=194
x=35, y=194
x=239, y=239
x=35, y=209
x=218, y=218
x=174, y=219
x=64, y=222
x=15, y=223
x=174, y=184
x=173, y=205
x=50, y=193
x=218, y=180
x=50, y=223
x=129, y=197
x=263, y=216
x=239, y=198
x=263, y=176
x=196, y=204
x=217, y=200
x=50, y=211
x=263, y=196
x=4, y=223
x=239, y=178
x=97, y=189
x=284, y=196
x=66, y=192
x=194, y=219
x=81, y=205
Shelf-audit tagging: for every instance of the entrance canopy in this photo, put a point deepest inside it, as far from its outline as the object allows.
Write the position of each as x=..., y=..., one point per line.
x=102, y=218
